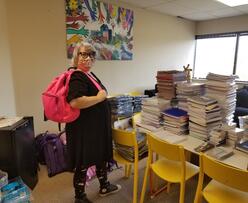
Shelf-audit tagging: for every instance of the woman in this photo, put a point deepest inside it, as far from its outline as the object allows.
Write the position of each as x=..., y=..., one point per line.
x=89, y=136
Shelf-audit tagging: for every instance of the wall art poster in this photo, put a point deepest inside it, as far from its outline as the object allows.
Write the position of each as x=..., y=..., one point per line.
x=107, y=27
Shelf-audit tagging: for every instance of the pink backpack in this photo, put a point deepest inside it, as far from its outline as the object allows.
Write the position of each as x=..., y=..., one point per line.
x=56, y=108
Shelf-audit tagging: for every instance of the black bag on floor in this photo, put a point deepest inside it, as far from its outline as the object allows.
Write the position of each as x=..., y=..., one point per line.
x=52, y=152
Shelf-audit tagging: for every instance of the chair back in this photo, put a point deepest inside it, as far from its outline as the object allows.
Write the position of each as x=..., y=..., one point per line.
x=124, y=137
x=134, y=93
x=167, y=150
x=225, y=174
x=136, y=118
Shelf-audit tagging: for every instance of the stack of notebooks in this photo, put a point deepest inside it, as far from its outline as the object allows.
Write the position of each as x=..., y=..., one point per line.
x=166, y=83
x=204, y=115
x=217, y=136
x=151, y=119
x=176, y=121
x=184, y=90
x=121, y=105
x=220, y=153
x=223, y=89
x=234, y=135
x=128, y=152
x=137, y=103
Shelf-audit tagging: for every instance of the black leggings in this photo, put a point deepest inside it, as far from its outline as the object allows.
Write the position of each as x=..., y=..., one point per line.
x=79, y=178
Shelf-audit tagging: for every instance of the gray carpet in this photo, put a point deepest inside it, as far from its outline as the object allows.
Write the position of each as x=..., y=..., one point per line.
x=59, y=189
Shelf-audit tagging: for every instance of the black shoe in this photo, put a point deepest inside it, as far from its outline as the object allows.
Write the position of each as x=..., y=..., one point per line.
x=109, y=189
x=83, y=199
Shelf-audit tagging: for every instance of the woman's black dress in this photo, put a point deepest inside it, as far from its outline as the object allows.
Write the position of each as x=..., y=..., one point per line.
x=89, y=138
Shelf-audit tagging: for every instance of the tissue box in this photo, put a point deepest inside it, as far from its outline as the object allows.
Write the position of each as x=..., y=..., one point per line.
x=15, y=191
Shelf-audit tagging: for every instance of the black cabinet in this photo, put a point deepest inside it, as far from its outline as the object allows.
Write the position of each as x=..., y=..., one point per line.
x=17, y=151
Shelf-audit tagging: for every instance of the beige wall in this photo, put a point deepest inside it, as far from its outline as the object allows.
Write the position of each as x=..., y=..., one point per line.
x=232, y=24
x=7, y=98
x=37, y=49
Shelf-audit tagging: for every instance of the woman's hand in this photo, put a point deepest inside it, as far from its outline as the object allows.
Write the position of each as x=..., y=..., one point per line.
x=102, y=94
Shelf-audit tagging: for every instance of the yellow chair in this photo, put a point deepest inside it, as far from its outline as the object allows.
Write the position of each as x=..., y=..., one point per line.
x=228, y=184
x=170, y=166
x=135, y=93
x=127, y=138
x=136, y=118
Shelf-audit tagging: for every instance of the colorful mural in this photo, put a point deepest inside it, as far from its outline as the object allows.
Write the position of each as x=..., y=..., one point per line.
x=107, y=27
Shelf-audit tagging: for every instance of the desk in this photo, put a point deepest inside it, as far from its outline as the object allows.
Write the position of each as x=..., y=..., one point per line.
x=238, y=159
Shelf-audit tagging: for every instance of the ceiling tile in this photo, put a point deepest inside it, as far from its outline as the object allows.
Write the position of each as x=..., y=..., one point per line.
x=172, y=8
x=201, y=5
x=145, y=3
x=227, y=12
x=198, y=16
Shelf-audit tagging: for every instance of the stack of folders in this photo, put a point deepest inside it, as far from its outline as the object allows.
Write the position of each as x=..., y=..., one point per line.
x=204, y=115
x=176, y=121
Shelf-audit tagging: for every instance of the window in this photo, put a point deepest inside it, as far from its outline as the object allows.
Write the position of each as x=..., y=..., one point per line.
x=242, y=60
x=222, y=54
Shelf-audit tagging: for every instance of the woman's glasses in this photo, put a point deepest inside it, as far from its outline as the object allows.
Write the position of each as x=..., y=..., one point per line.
x=85, y=55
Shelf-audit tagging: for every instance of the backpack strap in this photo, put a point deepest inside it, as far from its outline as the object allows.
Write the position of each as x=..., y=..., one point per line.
x=94, y=81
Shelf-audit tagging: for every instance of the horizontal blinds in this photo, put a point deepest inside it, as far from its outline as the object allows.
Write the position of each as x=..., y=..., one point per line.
x=219, y=35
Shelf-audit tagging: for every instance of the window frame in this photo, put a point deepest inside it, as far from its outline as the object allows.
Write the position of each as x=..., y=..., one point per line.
x=221, y=35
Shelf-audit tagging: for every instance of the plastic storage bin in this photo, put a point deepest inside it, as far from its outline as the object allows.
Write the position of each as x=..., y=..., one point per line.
x=15, y=191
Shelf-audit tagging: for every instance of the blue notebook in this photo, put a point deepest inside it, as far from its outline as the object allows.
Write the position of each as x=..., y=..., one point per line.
x=176, y=112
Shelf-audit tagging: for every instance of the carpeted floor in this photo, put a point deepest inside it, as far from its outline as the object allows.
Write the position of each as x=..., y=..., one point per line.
x=58, y=189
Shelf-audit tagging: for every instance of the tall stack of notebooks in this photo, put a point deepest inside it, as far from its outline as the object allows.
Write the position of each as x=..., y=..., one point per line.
x=151, y=112
x=204, y=115
x=223, y=89
x=176, y=121
x=166, y=83
x=185, y=90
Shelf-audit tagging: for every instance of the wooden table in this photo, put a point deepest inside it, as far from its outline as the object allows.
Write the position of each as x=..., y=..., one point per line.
x=238, y=159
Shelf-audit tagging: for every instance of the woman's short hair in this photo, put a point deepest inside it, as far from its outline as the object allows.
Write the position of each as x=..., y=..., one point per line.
x=88, y=46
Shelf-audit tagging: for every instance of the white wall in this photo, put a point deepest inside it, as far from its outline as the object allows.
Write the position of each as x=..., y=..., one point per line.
x=37, y=49
x=222, y=25
x=7, y=98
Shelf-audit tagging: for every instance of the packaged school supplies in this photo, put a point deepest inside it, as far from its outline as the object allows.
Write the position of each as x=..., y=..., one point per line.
x=15, y=191
x=3, y=178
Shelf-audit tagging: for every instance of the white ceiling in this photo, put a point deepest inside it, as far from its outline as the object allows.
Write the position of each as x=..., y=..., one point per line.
x=196, y=10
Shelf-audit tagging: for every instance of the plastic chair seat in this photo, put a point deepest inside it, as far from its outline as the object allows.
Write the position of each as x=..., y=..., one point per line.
x=218, y=193
x=171, y=170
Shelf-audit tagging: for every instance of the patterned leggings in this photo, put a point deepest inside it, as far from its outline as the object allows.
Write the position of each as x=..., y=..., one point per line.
x=79, y=179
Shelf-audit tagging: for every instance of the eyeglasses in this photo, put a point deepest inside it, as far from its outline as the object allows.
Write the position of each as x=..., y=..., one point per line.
x=85, y=55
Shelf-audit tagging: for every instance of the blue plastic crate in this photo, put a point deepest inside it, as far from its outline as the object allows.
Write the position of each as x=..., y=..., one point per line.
x=15, y=191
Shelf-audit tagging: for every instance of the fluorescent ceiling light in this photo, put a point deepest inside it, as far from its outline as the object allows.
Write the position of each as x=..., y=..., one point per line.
x=233, y=3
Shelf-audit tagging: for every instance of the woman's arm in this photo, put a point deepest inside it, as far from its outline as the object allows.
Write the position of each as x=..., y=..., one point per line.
x=85, y=101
